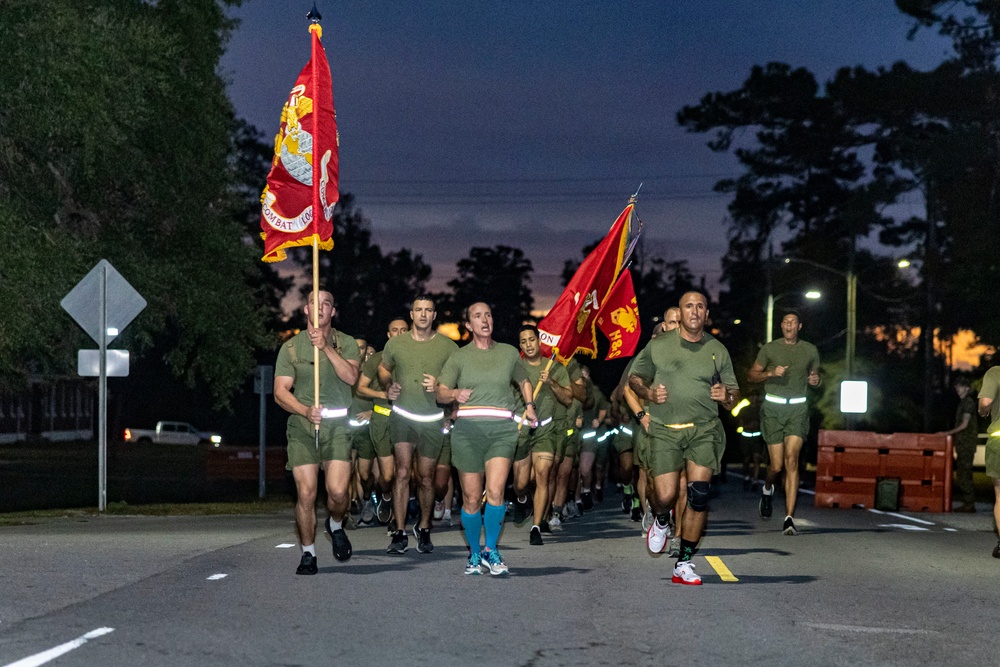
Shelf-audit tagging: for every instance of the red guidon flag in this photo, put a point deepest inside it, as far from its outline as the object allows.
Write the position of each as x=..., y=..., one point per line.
x=619, y=318
x=569, y=326
x=302, y=186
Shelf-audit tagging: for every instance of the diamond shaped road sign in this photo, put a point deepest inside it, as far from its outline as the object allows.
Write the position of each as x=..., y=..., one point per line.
x=84, y=302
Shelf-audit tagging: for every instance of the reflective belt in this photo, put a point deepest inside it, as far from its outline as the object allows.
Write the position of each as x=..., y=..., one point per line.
x=750, y=434
x=476, y=411
x=608, y=434
x=412, y=416
x=333, y=413
x=589, y=434
x=677, y=427
x=626, y=430
x=540, y=424
x=382, y=410
x=357, y=423
x=771, y=398
x=994, y=434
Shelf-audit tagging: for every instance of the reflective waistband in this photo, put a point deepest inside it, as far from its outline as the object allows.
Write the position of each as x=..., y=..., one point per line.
x=412, y=416
x=626, y=430
x=548, y=420
x=608, y=434
x=677, y=427
x=333, y=413
x=771, y=398
x=994, y=434
x=357, y=423
x=589, y=434
x=478, y=411
x=749, y=434
x=382, y=410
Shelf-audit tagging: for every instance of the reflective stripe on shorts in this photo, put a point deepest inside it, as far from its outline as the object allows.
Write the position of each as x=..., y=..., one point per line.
x=476, y=411
x=771, y=398
x=333, y=413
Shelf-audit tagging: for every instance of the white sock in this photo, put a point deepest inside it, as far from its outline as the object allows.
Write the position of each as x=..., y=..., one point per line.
x=768, y=490
x=335, y=525
x=311, y=549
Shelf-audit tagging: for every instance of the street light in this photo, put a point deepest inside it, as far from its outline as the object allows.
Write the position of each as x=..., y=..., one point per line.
x=771, y=300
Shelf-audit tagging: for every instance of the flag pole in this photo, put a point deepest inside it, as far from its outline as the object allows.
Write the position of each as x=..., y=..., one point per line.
x=315, y=30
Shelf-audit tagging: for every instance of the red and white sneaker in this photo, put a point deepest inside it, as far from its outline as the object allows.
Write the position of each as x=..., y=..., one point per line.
x=684, y=574
x=656, y=537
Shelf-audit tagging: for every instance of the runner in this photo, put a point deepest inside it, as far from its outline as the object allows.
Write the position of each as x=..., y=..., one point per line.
x=410, y=363
x=294, y=392
x=685, y=377
x=541, y=442
x=786, y=366
x=479, y=377
x=595, y=410
x=989, y=406
x=362, y=451
x=370, y=387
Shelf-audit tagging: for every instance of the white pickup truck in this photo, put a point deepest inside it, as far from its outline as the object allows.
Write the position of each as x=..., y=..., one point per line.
x=172, y=433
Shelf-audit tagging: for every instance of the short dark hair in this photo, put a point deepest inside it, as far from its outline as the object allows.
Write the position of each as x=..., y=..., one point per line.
x=424, y=297
x=792, y=311
x=528, y=327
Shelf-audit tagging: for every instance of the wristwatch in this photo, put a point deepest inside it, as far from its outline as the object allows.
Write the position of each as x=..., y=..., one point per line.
x=639, y=415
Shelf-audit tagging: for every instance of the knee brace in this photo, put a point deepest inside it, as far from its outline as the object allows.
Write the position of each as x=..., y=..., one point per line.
x=698, y=496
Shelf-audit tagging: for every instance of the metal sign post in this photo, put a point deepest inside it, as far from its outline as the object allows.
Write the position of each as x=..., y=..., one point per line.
x=263, y=384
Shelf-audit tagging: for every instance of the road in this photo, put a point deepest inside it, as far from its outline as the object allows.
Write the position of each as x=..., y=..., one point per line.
x=856, y=587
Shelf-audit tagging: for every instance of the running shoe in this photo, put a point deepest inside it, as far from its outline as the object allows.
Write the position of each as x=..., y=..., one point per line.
x=535, y=537
x=423, y=535
x=398, y=545
x=579, y=509
x=438, y=510
x=412, y=509
x=684, y=574
x=656, y=538
x=789, y=527
x=475, y=565
x=446, y=518
x=520, y=512
x=383, y=509
x=307, y=565
x=765, y=503
x=647, y=519
x=555, y=523
x=495, y=562
x=599, y=495
x=626, y=503
x=996, y=550
x=674, y=547
x=636, y=514
x=368, y=513
x=545, y=527
x=587, y=500
x=341, y=545
x=570, y=511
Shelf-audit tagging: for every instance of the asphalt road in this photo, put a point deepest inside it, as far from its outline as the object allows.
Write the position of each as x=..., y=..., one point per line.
x=854, y=588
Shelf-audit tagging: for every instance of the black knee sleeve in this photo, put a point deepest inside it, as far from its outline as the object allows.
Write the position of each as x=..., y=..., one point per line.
x=698, y=496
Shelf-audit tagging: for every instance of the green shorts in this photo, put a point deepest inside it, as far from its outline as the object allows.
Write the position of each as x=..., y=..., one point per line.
x=361, y=442
x=426, y=437
x=523, y=449
x=444, y=458
x=588, y=440
x=669, y=448
x=545, y=440
x=334, y=444
x=777, y=422
x=993, y=457
x=603, y=450
x=640, y=446
x=572, y=448
x=625, y=439
x=475, y=441
x=378, y=433
x=752, y=444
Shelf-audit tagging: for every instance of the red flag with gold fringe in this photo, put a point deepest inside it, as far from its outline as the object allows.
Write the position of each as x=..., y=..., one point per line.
x=619, y=318
x=302, y=186
x=570, y=325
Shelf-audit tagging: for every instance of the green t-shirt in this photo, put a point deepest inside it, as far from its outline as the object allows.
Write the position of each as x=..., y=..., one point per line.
x=574, y=374
x=800, y=358
x=991, y=389
x=545, y=401
x=967, y=406
x=600, y=402
x=295, y=360
x=488, y=373
x=370, y=371
x=686, y=370
x=408, y=360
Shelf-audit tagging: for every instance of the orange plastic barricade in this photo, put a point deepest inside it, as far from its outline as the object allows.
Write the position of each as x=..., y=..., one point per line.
x=849, y=463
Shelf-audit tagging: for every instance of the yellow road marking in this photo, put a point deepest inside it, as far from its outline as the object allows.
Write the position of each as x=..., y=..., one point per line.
x=720, y=568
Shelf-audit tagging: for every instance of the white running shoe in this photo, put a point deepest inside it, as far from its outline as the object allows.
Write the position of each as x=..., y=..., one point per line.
x=438, y=510
x=446, y=517
x=684, y=574
x=656, y=538
x=647, y=519
x=555, y=523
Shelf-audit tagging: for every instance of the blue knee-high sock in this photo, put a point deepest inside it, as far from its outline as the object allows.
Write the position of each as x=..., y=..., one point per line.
x=493, y=520
x=473, y=525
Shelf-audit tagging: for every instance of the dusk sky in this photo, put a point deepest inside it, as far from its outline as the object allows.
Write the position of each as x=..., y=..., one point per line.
x=465, y=122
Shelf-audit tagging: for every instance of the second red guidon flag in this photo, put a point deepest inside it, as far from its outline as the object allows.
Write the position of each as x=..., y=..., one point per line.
x=302, y=186
x=619, y=318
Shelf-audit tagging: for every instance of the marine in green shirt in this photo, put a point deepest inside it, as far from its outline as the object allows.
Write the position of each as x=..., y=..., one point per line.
x=685, y=377
x=339, y=360
x=786, y=366
x=989, y=405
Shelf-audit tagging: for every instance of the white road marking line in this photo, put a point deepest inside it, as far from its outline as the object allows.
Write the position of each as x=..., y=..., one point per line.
x=867, y=629
x=902, y=526
x=284, y=545
x=903, y=516
x=217, y=576
x=951, y=530
x=808, y=492
x=53, y=653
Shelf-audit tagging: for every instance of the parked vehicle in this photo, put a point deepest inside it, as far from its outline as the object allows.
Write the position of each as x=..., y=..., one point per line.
x=172, y=433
